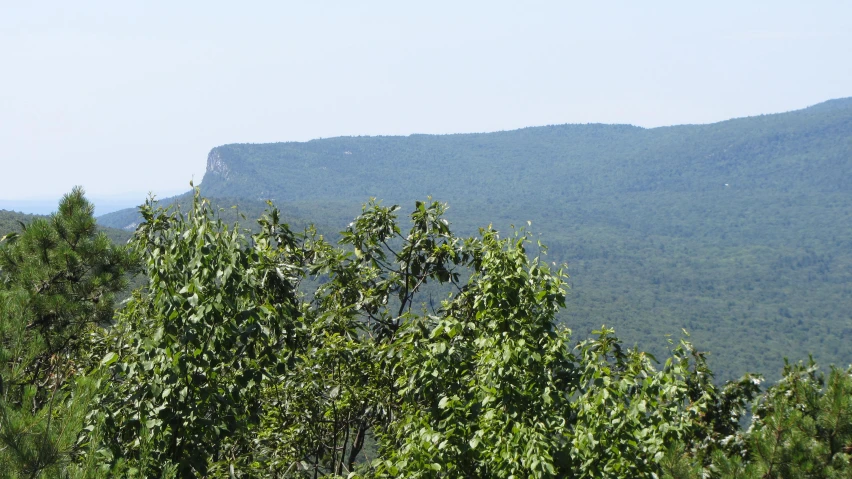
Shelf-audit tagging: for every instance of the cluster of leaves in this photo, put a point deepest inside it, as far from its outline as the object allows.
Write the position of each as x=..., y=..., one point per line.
x=187, y=358
x=801, y=428
x=284, y=355
x=278, y=354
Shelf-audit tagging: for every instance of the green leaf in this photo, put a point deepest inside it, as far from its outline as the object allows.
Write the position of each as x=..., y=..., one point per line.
x=109, y=358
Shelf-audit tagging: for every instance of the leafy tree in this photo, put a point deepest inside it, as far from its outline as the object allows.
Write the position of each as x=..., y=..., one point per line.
x=484, y=385
x=340, y=386
x=482, y=382
x=189, y=353
x=58, y=277
x=284, y=355
x=629, y=413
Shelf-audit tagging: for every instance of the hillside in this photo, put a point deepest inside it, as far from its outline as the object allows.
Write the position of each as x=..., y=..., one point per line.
x=230, y=209
x=739, y=231
x=10, y=221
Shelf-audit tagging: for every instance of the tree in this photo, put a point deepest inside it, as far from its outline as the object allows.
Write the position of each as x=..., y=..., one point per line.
x=280, y=354
x=340, y=387
x=801, y=428
x=189, y=353
x=481, y=382
x=58, y=278
x=485, y=384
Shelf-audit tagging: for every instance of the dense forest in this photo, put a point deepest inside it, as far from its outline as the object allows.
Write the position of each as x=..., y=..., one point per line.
x=275, y=352
x=15, y=222
x=739, y=232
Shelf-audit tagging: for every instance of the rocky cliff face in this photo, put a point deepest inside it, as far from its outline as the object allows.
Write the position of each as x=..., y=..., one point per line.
x=216, y=166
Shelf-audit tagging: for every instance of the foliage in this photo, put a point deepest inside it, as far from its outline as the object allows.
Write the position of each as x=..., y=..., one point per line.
x=482, y=383
x=629, y=413
x=486, y=385
x=340, y=386
x=57, y=281
x=282, y=355
x=188, y=354
x=801, y=428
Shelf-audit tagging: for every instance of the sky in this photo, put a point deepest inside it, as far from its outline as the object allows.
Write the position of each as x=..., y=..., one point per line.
x=129, y=97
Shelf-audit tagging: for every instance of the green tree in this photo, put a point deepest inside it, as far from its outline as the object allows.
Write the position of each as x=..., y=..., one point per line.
x=189, y=353
x=284, y=355
x=801, y=428
x=483, y=385
x=482, y=381
x=339, y=389
x=58, y=278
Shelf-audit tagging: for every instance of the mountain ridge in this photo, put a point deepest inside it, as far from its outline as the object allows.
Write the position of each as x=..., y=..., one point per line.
x=215, y=165
x=736, y=229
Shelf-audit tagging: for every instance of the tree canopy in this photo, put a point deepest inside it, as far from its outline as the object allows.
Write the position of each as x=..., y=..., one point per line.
x=402, y=350
x=58, y=278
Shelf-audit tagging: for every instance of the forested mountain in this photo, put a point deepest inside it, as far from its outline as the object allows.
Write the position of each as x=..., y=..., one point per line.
x=739, y=232
x=10, y=221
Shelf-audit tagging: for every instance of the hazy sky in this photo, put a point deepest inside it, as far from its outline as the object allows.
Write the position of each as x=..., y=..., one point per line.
x=127, y=97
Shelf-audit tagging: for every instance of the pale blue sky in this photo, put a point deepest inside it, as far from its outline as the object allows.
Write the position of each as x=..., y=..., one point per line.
x=127, y=97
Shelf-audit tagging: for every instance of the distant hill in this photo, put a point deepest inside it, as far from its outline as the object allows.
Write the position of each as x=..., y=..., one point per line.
x=103, y=204
x=10, y=221
x=230, y=209
x=738, y=231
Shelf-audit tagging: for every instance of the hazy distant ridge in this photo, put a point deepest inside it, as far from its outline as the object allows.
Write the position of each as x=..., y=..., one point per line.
x=568, y=160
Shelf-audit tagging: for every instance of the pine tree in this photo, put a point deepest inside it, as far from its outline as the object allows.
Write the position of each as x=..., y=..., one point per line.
x=58, y=278
x=801, y=428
